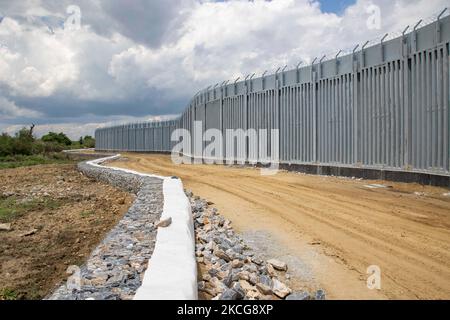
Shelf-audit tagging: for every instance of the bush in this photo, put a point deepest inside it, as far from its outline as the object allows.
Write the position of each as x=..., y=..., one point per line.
x=21, y=143
x=6, y=145
x=89, y=142
x=59, y=138
x=24, y=143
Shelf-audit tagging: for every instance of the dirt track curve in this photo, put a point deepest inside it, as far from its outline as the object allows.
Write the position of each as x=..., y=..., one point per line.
x=333, y=227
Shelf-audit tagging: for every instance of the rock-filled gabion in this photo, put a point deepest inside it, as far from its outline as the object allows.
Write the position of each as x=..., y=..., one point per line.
x=230, y=270
x=115, y=269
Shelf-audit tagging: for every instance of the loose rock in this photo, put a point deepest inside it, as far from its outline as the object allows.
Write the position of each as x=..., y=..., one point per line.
x=237, y=263
x=222, y=255
x=5, y=226
x=28, y=233
x=280, y=289
x=230, y=269
x=264, y=289
x=277, y=264
x=164, y=223
x=231, y=294
x=320, y=295
x=303, y=295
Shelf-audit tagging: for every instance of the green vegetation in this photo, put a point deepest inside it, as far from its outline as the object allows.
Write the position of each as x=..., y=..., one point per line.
x=8, y=294
x=11, y=208
x=57, y=138
x=87, y=213
x=87, y=142
x=23, y=149
x=10, y=162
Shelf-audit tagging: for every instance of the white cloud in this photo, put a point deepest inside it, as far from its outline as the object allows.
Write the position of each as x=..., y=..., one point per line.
x=34, y=63
x=224, y=40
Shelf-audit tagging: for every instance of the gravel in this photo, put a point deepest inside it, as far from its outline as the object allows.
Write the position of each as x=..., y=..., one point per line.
x=230, y=269
x=115, y=269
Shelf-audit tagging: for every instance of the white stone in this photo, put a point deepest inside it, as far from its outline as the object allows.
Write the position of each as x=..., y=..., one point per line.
x=280, y=289
x=5, y=226
x=164, y=223
x=277, y=264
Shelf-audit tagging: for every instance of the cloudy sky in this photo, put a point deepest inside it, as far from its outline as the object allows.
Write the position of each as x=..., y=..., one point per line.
x=131, y=60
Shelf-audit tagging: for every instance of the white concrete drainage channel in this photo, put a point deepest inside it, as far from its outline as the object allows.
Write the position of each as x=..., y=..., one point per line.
x=172, y=269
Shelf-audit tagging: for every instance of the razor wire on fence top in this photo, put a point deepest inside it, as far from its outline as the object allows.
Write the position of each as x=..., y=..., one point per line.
x=383, y=106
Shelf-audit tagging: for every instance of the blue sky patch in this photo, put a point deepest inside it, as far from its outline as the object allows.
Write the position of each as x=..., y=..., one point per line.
x=335, y=6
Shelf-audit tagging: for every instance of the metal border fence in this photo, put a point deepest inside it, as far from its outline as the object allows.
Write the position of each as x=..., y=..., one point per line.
x=381, y=107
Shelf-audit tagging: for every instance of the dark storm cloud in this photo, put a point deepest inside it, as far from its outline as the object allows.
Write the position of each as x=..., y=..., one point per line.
x=58, y=107
x=145, y=21
x=148, y=22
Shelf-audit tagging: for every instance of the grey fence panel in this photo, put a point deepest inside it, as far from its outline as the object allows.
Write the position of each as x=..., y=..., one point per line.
x=213, y=120
x=200, y=116
x=140, y=137
x=430, y=103
x=298, y=119
x=158, y=139
x=263, y=114
x=150, y=138
x=234, y=117
x=383, y=107
x=213, y=116
x=383, y=115
x=335, y=111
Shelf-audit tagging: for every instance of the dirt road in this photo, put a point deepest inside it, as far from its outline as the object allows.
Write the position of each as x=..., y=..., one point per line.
x=331, y=229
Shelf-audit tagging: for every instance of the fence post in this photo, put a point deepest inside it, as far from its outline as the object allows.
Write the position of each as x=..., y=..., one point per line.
x=314, y=89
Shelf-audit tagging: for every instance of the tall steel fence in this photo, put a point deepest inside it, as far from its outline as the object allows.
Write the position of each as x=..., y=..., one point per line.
x=384, y=106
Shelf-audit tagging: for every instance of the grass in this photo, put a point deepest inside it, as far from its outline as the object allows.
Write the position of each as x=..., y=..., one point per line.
x=11, y=208
x=87, y=213
x=8, y=294
x=16, y=161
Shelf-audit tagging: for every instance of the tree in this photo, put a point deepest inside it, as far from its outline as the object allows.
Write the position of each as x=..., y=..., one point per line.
x=89, y=142
x=23, y=142
x=31, y=130
x=6, y=145
x=59, y=138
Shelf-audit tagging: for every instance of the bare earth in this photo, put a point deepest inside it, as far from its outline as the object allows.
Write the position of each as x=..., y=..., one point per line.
x=64, y=217
x=328, y=229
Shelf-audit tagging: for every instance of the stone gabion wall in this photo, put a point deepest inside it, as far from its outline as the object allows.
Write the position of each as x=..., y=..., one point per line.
x=122, y=180
x=115, y=269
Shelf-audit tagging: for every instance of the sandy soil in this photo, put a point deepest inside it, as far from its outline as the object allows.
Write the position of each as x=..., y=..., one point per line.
x=64, y=216
x=330, y=230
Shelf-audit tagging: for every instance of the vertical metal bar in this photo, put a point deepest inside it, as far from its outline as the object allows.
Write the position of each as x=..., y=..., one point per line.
x=440, y=81
x=339, y=119
x=429, y=109
x=433, y=114
x=372, y=116
x=446, y=106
